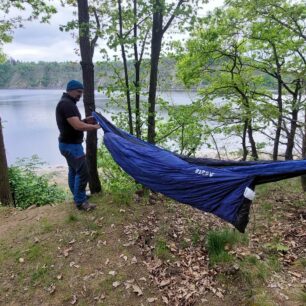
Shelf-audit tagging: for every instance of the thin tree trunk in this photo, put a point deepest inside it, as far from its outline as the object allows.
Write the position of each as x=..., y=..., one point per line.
x=291, y=136
x=279, y=104
x=293, y=121
x=89, y=99
x=126, y=75
x=216, y=145
x=157, y=36
x=5, y=191
x=244, y=147
x=303, y=177
x=252, y=141
x=137, y=74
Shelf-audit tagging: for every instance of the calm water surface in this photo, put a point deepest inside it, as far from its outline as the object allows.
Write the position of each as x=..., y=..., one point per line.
x=28, y=118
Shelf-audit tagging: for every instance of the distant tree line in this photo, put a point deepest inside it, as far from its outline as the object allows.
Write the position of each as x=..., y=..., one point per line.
x=53, y=75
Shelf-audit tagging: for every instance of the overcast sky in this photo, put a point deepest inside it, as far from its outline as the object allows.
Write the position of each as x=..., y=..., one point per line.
x=45, y=42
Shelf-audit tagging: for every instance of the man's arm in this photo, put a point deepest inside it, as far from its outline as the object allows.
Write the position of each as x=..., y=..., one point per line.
x=79, y=125
x=90, y=120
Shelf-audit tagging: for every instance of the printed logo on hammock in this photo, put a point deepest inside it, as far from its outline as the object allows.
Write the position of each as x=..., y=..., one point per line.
x=204, y=172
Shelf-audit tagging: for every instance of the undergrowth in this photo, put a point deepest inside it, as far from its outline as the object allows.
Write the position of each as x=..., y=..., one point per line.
x=114, y=180
x=29, y=188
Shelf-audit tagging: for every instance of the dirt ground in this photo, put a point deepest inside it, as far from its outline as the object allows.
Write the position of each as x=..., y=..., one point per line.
x=153, y=253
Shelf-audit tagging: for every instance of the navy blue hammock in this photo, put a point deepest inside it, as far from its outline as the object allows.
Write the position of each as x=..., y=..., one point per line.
x=223, y=188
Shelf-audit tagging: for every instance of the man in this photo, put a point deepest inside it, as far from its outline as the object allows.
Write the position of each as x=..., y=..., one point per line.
x=71, y=136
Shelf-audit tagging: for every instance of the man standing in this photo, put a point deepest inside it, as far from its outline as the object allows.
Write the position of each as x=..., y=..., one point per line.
x=71, y=136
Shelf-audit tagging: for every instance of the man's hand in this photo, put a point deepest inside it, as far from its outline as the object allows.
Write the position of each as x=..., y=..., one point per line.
x=79, y=125
x=90, y=120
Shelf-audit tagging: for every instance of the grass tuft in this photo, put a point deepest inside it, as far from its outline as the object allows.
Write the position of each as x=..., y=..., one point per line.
x=218, y=242
x=161, y=250
x=302, y=296
x=72, y=218
x=35, y=252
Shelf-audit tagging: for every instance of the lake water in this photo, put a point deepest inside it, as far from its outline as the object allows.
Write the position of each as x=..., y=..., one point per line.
x=29, y=126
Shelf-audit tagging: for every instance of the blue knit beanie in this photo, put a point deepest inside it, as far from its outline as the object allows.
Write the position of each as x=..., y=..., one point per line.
x=73, y=84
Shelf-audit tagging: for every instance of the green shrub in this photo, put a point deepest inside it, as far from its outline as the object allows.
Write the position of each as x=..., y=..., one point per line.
x=29, y=188
x=114, y=180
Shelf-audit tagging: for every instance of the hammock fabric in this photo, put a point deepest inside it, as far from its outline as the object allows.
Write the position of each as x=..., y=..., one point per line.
x=224, y=188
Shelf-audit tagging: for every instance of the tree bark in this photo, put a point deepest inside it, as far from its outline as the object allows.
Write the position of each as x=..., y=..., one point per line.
x=157, y=36
x=293, y=120
x=87, y=49
x=291, y=136
x=5, y=191
x=244, y=146
x=279, y=103
x=303, y=177
x=137, y=74
x=126, y=74
x=252, y=141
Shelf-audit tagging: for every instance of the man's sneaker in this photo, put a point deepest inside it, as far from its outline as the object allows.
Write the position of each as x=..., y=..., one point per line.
x=86, y=206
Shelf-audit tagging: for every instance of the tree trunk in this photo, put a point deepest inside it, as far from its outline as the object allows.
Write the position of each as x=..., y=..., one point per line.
x=244, y=147
x=303, y=177
x=291, y=136
x=5, y=191
x=157, y=36
x=279, y=121
x=137, y=74
x=125, y=67
x=293, y=121
x=252, y=141
x=279, y=103
x=89, y=99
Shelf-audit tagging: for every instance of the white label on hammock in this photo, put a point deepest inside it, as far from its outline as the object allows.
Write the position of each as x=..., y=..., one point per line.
x=204, y=172
x=249, y=194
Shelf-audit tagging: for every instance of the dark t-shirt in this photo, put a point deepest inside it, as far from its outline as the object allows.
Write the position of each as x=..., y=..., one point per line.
x=67, y=108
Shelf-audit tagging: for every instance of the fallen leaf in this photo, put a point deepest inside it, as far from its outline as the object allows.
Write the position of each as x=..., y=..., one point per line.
x=112, y=273
x=99, y=298
x=165, y=300
x=219, y=295
x=124, y=257
x=295, y=274
x=116, y=284
x=66, y=252
x=164, y=283
x=134, y=260
x=137, y=290
x=51, y=289
x=284, y=296
x=74, y=299
x=151, y=300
